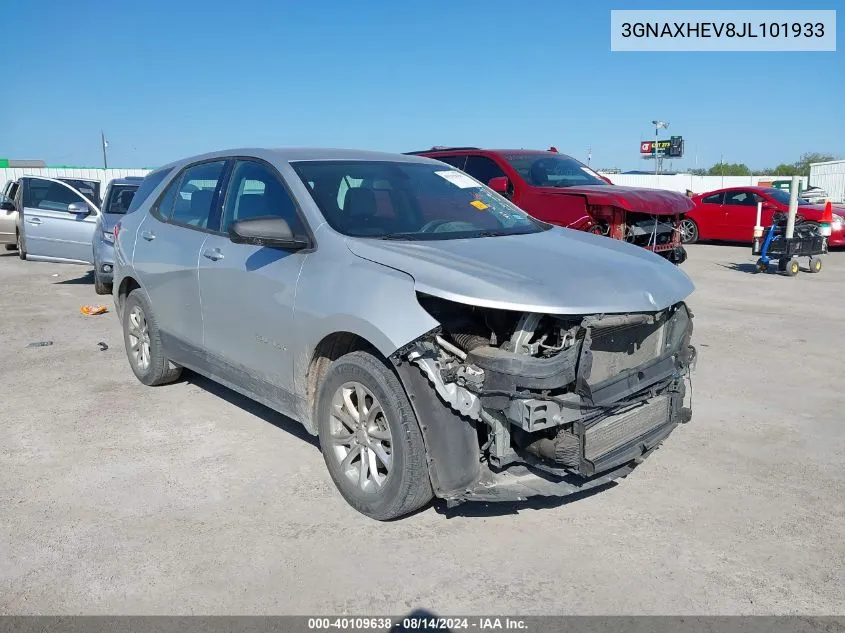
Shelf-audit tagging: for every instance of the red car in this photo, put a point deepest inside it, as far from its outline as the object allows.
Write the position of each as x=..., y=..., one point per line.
x=561, y=190
x=730, y=214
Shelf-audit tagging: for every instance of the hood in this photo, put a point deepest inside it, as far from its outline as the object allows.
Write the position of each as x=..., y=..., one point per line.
x=638, y=199
x=559, y=271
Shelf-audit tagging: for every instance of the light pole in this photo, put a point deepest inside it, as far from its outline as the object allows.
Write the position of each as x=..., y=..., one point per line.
x=105, y=146
x=657, y=125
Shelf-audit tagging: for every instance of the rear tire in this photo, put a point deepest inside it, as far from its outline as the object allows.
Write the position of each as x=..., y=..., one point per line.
x=366, y=422
x=142, y=339
x=101, y=287
x=19, y=244
x=815, y=264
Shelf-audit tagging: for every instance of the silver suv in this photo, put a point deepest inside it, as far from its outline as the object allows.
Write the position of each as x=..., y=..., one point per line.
x=438, y=340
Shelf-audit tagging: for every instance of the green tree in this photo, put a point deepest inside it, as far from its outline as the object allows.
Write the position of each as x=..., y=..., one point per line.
x=729, y=169
x=698, y=172
x=803, y=164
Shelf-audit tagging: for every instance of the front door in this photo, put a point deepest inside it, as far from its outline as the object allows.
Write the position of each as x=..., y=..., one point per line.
x=248, y=291
x=167, y=250
x=740, y=214
x=52, y=228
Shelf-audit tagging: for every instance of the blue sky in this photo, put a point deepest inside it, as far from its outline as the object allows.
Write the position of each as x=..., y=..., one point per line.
x=171, y=79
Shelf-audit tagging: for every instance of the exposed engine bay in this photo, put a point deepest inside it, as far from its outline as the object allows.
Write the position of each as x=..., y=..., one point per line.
x=657, y=233
x=568, y=395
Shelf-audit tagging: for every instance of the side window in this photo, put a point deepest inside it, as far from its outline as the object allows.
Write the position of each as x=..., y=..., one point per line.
x=716, y=198
x=254, y=192
x=49, y=195
x=454, y=161
x=191, y=204
x=741, y=198
x=482, y=168
x=150, y=182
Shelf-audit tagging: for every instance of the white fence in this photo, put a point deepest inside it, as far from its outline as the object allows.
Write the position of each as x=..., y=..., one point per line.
x=830, y=176
x=696, y=184
x=103, y=175
x=677, y=182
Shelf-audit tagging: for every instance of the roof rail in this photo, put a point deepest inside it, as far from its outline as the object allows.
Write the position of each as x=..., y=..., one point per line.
x=438, y=148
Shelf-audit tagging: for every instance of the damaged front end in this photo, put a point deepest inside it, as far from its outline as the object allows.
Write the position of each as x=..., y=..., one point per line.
x=515, y=405
x=656, y=232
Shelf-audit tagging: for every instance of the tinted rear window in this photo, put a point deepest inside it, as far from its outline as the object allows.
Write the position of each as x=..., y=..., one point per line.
x=148, y=184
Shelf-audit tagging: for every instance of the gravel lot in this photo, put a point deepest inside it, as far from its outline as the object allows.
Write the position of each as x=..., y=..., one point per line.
x=116, y=498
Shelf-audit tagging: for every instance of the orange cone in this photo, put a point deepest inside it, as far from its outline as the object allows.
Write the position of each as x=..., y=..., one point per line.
x=827, y=214
x=826, y=219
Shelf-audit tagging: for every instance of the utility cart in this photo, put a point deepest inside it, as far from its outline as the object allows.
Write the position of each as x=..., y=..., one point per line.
x=808, y=240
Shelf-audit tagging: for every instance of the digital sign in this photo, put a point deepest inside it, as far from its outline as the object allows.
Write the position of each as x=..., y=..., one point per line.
x=670, y=148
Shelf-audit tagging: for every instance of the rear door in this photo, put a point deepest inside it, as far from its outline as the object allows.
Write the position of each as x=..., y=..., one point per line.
x=51, y=230
x=167, y=249
x=739, y=215
x=709, y=216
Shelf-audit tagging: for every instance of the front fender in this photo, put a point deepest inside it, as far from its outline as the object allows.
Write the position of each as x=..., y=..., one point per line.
x=374, y=302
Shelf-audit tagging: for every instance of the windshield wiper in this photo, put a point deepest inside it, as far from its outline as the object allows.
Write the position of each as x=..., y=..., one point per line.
x=399, y=236
x=502, y=233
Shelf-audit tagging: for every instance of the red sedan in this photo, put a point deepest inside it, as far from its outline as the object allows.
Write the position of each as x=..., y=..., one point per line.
x=730, y=214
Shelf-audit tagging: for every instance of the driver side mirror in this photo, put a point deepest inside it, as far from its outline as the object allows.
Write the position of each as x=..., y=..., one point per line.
x=271, y=232
x=78, y=208
x=499, y=184
x=7, y=205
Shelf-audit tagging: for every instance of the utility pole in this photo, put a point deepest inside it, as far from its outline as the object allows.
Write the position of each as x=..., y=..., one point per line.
x=657, y=159
x=105, y=146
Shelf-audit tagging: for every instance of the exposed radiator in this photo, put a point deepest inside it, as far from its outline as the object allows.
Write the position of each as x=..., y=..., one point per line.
x=618, y=430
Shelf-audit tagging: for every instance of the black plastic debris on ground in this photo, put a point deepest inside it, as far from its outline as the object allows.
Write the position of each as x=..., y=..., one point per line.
x=103, y=347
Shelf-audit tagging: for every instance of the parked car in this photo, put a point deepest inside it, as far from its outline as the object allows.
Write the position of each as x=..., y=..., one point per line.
x=559, y=189
x=8, y=219
x=730, y=214
x=116, y=202
x=438, y=339
x=54, y=220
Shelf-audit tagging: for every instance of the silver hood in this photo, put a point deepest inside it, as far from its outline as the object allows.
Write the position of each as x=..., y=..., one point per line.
x=559, y=271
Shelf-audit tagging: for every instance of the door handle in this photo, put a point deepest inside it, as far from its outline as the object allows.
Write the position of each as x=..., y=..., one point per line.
x=213, y=254
x=147, y=235
x=34, y=220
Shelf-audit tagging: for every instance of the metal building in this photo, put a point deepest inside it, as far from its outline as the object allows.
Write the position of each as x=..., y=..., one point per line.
x=830, y=176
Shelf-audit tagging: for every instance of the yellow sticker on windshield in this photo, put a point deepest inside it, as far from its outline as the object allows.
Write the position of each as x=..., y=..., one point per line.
x=479, y=205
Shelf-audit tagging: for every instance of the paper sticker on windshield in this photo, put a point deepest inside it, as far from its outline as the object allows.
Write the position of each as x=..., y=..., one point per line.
x=479, y=205
x=458, y=179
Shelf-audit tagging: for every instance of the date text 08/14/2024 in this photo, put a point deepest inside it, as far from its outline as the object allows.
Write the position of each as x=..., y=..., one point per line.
x=417, y=623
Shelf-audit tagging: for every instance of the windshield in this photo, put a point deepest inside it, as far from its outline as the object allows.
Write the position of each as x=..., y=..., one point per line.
x=553, y=170
x=119, y=199
x=413, y=201
x=782, y=196
x=88, y=188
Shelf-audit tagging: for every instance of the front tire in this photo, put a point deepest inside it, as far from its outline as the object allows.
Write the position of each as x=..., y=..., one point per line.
x=689, y=231
x=142, y=339
x=19, y=243
x=370, y=438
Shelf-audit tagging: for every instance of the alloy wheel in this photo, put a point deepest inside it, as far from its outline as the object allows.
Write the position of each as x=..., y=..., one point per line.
x=139, y=338
x=360, y=437
x=689, y=231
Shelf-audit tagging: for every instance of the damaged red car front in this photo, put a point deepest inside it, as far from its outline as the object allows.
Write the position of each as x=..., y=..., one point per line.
x=559, y=189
